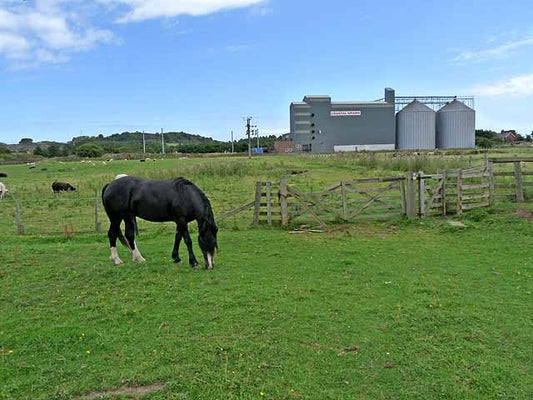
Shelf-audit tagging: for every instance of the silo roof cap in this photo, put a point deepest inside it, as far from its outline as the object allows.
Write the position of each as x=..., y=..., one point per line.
x=416, y=106
x=455, y=105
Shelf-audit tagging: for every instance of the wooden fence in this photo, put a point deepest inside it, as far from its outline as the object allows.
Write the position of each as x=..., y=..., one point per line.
x=511, y=178
x=279, y=203
x=413, y=194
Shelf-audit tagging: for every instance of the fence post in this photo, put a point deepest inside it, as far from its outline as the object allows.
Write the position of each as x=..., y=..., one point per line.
x=97, y=224
x=421, y=194
x=490, y=170
x=257, y=207
x=344, y=203
x=518, y=182
x=269, y=203
x=283, y=202
x=402, y=196
x=18, y=218
x=411, y=195
x=443, y=194
x=460, y=192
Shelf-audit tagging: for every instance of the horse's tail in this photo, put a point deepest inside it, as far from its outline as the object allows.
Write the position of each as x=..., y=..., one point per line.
x=123, y=239
x=120, y=235
x=103, y=191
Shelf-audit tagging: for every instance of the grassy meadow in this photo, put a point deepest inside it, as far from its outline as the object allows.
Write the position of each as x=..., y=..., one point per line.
x=401, y=309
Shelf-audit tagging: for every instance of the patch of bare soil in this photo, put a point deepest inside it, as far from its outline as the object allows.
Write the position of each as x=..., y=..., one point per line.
x=135, y=391
x=525, y=214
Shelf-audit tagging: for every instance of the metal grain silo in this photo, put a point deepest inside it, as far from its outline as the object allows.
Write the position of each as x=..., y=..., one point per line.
x=415, y=127
x=456, y=126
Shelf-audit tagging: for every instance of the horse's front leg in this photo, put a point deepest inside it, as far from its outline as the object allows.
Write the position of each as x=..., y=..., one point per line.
x=188, y=241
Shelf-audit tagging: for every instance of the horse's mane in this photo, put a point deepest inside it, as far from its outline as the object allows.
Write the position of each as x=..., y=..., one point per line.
x=181, y=183
x=206, y=224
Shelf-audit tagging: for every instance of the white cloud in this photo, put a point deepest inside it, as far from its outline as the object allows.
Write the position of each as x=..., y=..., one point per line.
x=501, y=51
x=516, y=85
x=45, y=32
x=140, y=10
x=37, y=32
x=14, y=46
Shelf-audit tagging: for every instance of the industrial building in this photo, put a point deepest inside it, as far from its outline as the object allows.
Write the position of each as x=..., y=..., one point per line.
x=319, y=125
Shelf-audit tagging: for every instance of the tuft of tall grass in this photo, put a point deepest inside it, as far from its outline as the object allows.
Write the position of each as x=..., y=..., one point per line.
x=398, y=162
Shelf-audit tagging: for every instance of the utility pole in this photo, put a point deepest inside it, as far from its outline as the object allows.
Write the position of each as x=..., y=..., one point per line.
x=162, y=142
x=248, y=126
x=257, y=133
x=232, y=145
x=144, y=144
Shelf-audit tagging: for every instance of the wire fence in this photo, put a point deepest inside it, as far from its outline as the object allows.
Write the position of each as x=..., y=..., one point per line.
x=67, y=214
x=52, y=215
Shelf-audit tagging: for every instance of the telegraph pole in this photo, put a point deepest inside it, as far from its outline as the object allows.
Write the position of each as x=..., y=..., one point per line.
x=248, y=133
x=144, y=144
x=162, y=142
x=232, y=145
x=257, y=133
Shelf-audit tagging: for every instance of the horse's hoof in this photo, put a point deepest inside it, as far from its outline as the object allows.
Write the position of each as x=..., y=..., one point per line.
x=193, y=264
x=139, y=259
x=116, y=261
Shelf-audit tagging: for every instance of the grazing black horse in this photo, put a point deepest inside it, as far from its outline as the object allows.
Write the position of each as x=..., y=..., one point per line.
x=177, y=200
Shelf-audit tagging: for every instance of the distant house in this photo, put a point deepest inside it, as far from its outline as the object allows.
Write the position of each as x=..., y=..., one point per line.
x=285, y=144
x=508, y=136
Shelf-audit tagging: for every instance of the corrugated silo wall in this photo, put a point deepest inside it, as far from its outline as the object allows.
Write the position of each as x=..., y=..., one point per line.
x=456, y=129
x=416, y=130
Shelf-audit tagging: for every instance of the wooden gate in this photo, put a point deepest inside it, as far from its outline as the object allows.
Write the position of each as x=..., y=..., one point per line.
x=351, y=200
x=454, y=191
x=431, y=194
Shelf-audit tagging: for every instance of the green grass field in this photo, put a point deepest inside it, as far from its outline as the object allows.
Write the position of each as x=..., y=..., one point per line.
x=400, y=309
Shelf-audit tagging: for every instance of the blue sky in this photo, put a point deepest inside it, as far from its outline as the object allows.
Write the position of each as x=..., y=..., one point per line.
x=71, y=67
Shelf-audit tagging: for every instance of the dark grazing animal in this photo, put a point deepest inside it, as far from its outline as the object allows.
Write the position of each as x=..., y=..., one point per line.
x=177, y=200
x=3, y=175
x=62, y=187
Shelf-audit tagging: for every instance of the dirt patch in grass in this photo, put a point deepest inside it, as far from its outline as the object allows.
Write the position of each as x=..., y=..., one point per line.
x=526, y=214
x=136, y=391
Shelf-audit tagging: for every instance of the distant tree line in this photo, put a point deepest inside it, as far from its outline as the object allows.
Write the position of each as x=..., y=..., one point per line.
x=132, y=142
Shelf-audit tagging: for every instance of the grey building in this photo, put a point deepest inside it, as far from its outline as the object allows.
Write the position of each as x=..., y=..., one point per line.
x=319, y=125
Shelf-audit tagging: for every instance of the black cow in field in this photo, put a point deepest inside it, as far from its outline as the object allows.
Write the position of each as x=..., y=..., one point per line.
x=62, y=187
x=3, y=175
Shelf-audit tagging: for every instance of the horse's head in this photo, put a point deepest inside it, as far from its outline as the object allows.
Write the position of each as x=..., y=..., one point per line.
x=207, y=239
